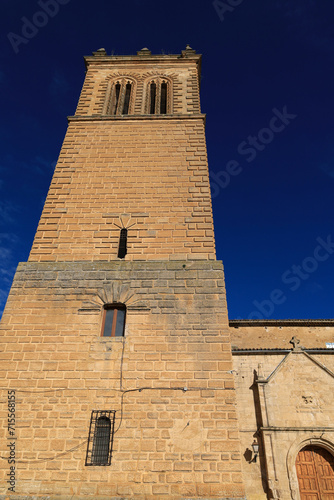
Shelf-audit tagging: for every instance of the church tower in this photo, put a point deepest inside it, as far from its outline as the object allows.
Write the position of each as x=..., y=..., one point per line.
x=116, y=362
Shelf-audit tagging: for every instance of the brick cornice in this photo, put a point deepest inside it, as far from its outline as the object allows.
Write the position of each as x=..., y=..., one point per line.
x=189, y=56
x=200, y=116
x=161, y=58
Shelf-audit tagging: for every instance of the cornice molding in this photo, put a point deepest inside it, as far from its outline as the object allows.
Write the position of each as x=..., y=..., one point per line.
x=93, y=118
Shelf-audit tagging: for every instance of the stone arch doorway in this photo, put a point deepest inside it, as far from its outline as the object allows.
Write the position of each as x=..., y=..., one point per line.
x=315, y=472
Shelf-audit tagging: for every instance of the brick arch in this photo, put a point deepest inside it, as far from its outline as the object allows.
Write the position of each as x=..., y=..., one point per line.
x=291, y=458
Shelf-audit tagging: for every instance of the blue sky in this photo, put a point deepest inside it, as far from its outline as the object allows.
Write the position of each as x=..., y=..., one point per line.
x=267, y=90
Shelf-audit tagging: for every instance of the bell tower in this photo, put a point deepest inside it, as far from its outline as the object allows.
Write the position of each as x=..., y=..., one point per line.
x=134, y=157
x=115, y=340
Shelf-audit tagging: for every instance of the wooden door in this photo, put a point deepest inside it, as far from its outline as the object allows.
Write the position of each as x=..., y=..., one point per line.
x=315, y=471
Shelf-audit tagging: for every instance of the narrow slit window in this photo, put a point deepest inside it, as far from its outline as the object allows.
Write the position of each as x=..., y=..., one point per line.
x=117, y=93
x=163, y=99
x=114, y=321
x=153, y=96
x=122, y=246
x=127, y=99
x=100, y=439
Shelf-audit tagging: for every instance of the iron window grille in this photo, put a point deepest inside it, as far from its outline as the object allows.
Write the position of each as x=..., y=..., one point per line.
x=101, y=437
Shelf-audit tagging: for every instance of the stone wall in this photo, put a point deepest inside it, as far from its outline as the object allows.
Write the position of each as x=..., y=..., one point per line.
x=284, y=399
x=169, y=380
x=150, y=176
x=276, y=334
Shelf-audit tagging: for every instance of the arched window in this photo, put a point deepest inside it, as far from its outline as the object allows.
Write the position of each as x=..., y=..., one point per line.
x=153, y=97
x=117, y=91
x=101, y=442
x=163, y=98
x=113, y=323
x=100, y=439
x=122, y=91
x=127, y=99
x=158, y=97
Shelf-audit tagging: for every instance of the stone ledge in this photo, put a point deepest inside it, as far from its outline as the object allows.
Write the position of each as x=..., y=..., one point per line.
x=267, y=351
x=125, y=118
x=122, y=265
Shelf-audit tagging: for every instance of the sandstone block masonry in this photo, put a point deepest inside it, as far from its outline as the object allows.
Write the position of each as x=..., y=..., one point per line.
x=132, y=170
x=148, y=175
x=138, y=168
x=168, y=379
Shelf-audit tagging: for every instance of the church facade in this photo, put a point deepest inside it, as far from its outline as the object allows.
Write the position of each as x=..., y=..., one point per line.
x=122, y=376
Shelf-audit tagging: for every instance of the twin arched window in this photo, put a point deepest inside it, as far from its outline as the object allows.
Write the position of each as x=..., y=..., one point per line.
x=121, y=93
x=157, y=97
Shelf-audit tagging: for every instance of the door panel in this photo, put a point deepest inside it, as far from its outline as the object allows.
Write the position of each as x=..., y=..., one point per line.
x=315, y=471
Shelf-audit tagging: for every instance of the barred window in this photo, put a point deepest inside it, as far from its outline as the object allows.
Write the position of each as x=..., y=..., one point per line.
x=100, y=439
x=113, y=320
x=158, y=97
x=121, y=97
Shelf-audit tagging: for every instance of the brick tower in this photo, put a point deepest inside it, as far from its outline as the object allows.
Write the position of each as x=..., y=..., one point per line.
x=116, y=360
